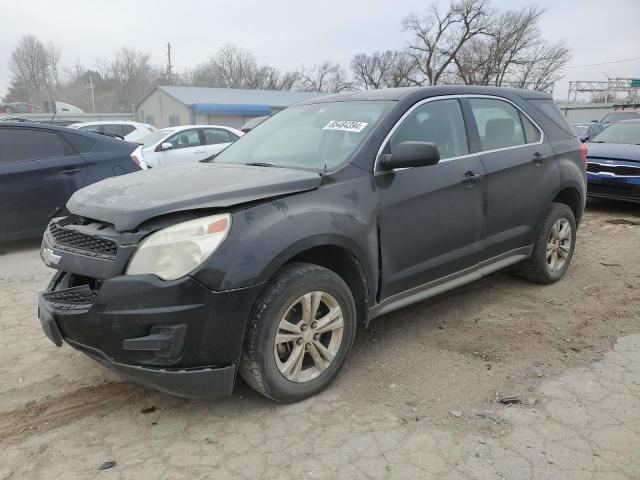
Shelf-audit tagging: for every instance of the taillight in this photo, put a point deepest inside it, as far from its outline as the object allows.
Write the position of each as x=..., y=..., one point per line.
x=135, y=159
x=583, y=153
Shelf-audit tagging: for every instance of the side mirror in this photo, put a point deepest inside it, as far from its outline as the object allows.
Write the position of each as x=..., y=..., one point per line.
x=164, y=146
x=411, y=154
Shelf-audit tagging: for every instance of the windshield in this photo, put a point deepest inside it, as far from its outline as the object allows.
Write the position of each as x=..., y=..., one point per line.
x=625, y=132
x=152, y=138
x=307, y=136
x=617, y=116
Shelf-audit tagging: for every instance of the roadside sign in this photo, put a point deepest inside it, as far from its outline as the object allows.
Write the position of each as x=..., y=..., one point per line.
x=635, y=82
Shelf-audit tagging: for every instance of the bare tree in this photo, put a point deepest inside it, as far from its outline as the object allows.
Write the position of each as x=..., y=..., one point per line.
x=439, y=36
x=384, y=70
x=323, y=77
x=35, y=69
x=542, y=67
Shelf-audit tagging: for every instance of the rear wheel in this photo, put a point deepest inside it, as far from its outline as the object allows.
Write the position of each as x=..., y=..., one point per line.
x=554, y=246
x=299, y=334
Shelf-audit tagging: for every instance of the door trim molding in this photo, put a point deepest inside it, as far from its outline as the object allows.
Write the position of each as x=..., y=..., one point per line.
x=454, y=280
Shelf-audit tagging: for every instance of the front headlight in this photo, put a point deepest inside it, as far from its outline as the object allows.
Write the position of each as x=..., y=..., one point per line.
x=174, y=251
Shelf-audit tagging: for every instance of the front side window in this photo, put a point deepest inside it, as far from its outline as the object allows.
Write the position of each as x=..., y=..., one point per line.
x=499, y=124
x=313, y=137
x=214, y=136
x=439, y=122
x=184, y=139
x=21, y=144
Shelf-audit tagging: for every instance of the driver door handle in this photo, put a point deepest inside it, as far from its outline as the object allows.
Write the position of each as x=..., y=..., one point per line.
x=470, y=178
x=538, y=158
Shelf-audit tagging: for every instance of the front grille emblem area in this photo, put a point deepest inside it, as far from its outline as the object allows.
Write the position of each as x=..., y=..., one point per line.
x=49, y=258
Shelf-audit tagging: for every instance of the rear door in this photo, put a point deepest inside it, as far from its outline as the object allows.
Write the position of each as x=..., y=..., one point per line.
x=217, y=139
x=39, y=171
x=187, y=148
x=431, y=218
x=518, y=166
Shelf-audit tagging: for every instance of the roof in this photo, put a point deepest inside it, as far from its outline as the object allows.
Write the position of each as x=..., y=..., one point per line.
x=233, y=96
x=399, y=93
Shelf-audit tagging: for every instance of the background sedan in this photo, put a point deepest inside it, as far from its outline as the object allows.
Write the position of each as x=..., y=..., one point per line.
x=613, y=157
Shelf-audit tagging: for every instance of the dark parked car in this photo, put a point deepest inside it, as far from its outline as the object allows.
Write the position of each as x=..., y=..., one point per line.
x=335, y=211
x=613, y=169
x=587, y=130
x=21, y=107
x=41, y=166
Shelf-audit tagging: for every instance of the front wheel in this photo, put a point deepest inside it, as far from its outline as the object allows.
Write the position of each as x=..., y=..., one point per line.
x=299, y=334
x=554, y=246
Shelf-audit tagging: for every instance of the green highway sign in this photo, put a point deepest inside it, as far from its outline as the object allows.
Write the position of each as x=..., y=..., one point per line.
x=635, y=82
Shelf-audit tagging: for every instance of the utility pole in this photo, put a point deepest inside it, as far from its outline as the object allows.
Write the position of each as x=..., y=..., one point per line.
x=93, y=98
x=169, y=63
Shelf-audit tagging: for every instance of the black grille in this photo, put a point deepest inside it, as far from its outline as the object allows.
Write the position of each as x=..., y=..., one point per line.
x=74, y=298
x=615, y=169
x=75, y=240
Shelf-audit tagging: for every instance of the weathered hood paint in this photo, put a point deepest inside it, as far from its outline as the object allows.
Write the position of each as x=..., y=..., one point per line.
x=613, y=151
x=130, y=200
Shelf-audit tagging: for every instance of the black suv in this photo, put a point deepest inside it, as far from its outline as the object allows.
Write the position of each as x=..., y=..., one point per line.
x=332, y=212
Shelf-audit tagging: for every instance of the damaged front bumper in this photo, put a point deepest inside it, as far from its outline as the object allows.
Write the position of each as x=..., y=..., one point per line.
x=176, y=336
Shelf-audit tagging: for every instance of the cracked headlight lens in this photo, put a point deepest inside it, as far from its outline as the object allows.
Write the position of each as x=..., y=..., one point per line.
x=175, y=251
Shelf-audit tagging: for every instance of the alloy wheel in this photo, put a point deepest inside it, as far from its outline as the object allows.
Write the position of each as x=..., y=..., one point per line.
x=558, y=245
x=309, y=336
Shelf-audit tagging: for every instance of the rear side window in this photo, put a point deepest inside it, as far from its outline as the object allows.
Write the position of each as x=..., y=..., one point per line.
x=118, y=129
x=21, y=144
x=499, y=124
x=439, y=122
x=551, y=111
x=80, y=143
x=214, y=136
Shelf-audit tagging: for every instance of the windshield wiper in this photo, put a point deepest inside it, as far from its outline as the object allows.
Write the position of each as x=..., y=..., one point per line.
x=261, y=164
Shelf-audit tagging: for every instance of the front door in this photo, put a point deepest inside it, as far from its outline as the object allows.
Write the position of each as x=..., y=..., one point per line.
x=38, y=173
x=431, y=218
x=187, y=148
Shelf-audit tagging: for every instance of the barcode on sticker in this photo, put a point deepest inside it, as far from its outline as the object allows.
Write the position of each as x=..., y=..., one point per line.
x=345, y=125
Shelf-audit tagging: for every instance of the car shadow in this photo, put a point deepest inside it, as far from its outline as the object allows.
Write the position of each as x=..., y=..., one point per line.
x=613, y=207
x=16, y=246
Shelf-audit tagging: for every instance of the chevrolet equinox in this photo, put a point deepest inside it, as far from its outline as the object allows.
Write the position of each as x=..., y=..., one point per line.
x=265, y=259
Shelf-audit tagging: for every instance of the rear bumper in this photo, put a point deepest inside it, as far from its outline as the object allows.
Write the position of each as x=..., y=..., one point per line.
x=178, y=337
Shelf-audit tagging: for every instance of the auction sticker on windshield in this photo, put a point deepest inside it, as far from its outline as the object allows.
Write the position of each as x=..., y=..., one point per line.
x=345, y=125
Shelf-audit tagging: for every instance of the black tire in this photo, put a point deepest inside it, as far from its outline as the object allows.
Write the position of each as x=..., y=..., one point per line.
x=257, y=362
x=536, y=268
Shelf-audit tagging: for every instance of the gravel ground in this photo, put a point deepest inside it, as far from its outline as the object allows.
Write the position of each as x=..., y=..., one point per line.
x=419, y=396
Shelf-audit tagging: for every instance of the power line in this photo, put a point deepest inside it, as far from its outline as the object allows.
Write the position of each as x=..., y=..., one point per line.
x=605, y=63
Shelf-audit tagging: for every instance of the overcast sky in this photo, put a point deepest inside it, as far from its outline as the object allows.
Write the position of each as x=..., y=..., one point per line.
x=291, y=33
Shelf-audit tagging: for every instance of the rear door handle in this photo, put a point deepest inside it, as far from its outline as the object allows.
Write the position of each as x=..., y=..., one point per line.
x=538, y=158
x=469, y=178
x=69, y=171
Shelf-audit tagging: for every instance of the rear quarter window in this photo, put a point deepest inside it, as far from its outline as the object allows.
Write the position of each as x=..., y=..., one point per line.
x=80, y=143
x=550, y=110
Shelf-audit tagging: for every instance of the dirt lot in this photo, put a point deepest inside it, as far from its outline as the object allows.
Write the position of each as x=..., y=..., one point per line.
x=418, y=397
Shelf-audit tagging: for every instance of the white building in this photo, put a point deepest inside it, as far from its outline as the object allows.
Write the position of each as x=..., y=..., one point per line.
x=170, y=106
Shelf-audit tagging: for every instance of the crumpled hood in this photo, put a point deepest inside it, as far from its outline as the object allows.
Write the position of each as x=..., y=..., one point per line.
x=613, y=151
x=130, y=200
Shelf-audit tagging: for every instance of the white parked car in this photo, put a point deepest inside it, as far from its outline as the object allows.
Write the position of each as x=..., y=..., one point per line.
x=186, y=144
x=130, y=131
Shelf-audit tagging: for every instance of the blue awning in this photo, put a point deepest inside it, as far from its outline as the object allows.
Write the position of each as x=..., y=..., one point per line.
x=244, y=110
